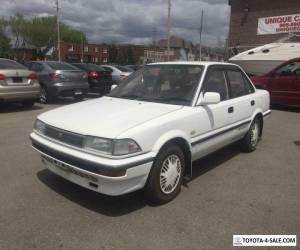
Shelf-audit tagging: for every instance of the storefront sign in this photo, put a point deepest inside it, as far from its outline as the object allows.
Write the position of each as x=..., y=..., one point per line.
x=278, y=24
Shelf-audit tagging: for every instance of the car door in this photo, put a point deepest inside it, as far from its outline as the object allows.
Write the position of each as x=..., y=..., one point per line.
x=242, y=96
x=284, y=85
x=214, y=120
x=296, y=90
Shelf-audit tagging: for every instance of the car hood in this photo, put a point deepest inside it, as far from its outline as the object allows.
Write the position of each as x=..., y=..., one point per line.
x=105, y=117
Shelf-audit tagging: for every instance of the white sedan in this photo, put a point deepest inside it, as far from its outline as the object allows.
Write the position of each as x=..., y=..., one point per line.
x=148, y=131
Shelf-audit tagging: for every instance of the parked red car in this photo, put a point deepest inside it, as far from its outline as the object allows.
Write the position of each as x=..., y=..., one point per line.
x=283, y=83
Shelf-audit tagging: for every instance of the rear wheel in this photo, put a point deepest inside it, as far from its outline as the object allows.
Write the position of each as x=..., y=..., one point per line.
x=164, y=182
x=45, y=96
x=79, y=97
x=250, y=141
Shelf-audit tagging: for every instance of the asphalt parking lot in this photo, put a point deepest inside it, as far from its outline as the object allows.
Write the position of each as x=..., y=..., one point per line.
x=231, y=193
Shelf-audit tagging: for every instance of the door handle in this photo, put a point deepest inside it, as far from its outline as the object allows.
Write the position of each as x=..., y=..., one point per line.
x=230, y=110
x=252, y=103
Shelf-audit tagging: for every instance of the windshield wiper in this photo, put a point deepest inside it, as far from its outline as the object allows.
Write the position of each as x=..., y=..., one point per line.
x=132, y=97
x=167, y=99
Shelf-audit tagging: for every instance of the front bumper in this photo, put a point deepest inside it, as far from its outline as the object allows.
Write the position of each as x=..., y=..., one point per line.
x=107, y=176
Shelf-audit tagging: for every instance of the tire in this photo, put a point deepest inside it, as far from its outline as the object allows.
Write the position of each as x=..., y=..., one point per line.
x=250, y=141
x=28, y=104
x=157, y=189
x=45, y=96
x=79, y=97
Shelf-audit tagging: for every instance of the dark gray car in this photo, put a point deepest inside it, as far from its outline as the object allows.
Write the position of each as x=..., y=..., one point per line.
x=59, y=79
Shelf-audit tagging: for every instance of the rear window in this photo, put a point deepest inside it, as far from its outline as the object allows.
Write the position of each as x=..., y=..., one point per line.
x=124, y=69
x=94, y=67
x=61, y=66
x=9, y=64
x=107, y=69
x=80, y=66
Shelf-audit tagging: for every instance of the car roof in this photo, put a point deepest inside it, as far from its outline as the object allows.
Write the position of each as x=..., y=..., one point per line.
x=202, y=63
x=47, y=62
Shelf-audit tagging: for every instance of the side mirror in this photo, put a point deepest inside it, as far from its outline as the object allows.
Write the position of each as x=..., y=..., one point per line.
x=209, y=98
x=113, y=86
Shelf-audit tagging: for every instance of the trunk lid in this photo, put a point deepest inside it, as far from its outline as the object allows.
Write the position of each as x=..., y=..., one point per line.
x=15, y=77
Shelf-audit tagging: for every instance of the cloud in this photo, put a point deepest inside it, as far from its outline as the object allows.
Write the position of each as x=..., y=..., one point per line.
x=132, y=21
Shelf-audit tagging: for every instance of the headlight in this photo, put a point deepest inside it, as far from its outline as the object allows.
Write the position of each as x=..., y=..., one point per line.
x=125, y=147
x=40, y=127
x=111, y=147
x=99, y=145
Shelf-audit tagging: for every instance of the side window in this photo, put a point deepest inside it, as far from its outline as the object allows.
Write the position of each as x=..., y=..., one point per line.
x=239, y=85
x=216, y=82
x=290, y=69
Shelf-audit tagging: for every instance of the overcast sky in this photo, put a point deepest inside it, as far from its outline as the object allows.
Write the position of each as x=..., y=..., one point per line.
x=132, y=21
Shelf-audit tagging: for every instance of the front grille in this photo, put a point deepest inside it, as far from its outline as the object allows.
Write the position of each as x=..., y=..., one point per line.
x=64, y=136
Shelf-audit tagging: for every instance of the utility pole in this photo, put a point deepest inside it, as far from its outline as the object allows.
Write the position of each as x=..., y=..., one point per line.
x=81, y=48
x=154, y=42
x=58, y=31
x=200, y=43
x=169, y=27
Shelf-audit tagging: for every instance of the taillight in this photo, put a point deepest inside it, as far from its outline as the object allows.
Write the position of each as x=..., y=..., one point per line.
x=54, y=76
x=2, y=77
x=93, y=74
x=33, y=76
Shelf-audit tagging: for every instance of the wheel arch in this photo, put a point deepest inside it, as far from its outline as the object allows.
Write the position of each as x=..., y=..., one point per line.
x=180, y=139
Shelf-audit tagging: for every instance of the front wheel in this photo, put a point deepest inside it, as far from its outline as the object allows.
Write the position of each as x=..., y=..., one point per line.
x=250, y=141
x=164, y=182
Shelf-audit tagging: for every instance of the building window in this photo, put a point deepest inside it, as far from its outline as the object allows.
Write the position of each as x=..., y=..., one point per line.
x=96, y=59
x=105, y=60
x=70, y=47
x=96, y=49
x=86, y=48
x=104, y=51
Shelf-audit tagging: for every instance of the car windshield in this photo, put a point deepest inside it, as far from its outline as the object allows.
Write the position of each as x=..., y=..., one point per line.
x=9, y=64
x=172, y=84
x=124, y=69
x=61, y=66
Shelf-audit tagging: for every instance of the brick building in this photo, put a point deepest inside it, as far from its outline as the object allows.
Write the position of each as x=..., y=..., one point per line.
x=93, y=53
x=244, y=20
x=179, y=48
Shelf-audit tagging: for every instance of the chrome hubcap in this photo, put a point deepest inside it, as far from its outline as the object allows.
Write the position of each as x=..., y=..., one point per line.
x=254, y=134
x=170, y=174
x=43, y=95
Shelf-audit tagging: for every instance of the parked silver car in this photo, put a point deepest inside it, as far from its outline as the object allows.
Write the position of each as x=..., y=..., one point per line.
x=18, y=84
x=119, y=73
x=59, y=79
